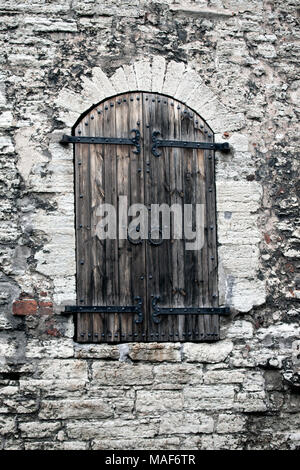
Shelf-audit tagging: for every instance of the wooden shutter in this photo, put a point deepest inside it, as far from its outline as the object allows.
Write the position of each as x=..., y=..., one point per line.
x=147, y=276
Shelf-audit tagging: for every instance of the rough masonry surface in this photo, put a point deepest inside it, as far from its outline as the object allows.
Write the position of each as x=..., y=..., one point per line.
x=235, y=63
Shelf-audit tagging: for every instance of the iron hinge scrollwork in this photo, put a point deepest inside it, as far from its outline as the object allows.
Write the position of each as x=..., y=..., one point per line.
x=157, y=143
x=157, y=311
x=135, y=141
x=137, y=309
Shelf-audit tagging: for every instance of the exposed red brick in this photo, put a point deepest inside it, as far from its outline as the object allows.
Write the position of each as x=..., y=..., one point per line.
x=25, y=307
x=45, y=308
x=267, y=238
x=53, y=332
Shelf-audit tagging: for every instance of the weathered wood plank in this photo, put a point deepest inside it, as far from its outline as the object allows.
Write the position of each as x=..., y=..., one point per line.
x=114, y=272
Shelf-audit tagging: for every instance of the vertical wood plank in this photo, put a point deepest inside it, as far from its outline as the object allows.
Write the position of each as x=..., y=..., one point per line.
x=114, y=272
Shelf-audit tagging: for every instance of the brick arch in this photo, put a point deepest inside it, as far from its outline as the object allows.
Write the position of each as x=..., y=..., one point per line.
x=174, y=79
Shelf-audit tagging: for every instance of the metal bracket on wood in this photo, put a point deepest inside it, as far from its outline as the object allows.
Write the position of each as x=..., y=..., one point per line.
x=138, y=309
x=157, y=311
x=135, y=141
x=223, y=147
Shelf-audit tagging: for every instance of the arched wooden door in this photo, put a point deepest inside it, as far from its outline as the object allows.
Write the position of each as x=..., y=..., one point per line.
x=144, y=290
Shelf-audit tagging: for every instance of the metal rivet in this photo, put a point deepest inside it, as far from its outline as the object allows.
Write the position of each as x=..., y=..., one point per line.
x=178, y=107
x=103, y=334
x=150, y=276
x=138, y=98
x=81, y=300
x=211, y=227
x=89, y=335
x=99, y=111
x=138, y=123
x=210, y=190
x=131, y=99
x=96, y=334
x=210, y=157
x=125, y=100
x=81, y=196
x=141, y=278
x=212, y=257
x=119, y=101
x=111, y=105
x=81, y=262
x=79, y=163
x=79, y=132
x=139, y=170
x=86, y=123
x=80, y=226
x=106, y=107
x=92, y=117
x=82, y=334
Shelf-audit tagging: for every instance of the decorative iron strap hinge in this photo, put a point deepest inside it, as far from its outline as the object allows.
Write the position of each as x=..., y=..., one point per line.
x=223, y=147
x=138, y=309
x=135, y=141
x=157, y=311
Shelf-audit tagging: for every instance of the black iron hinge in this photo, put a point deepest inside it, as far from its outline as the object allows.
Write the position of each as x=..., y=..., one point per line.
x=137, y=309
x=157, y=143
x=135, y=141
x=157, y=311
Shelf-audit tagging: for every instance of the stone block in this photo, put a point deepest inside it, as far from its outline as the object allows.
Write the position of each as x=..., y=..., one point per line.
x=209, y=397
x=35, y=429
x=154, y=402
x=122, y=374
x=155, y=352
x=186, y=423
x=205, y=352
x=80, y=408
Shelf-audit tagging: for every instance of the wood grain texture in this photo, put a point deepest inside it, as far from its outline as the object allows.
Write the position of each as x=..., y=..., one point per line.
x=116, y=272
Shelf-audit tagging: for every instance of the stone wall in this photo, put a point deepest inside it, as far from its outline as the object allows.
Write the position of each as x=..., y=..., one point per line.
x=235, y=63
